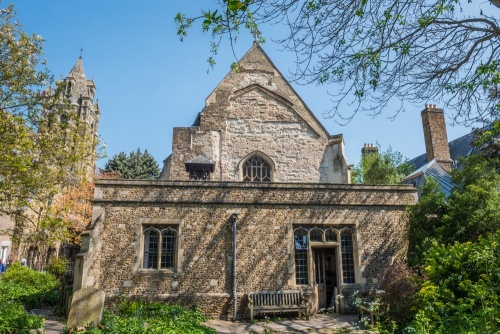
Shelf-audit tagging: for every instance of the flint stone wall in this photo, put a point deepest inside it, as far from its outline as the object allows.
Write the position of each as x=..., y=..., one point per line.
x=267, y=214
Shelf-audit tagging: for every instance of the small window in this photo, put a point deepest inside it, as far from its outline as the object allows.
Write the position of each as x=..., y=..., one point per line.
x=159, y=247
x=256, y=169
x=69, y=88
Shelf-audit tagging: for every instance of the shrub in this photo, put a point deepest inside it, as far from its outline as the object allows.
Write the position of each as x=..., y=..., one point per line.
x=151, y=317
x=29, y=287
x=15, y=319
x=461, y=293
x=400, y=287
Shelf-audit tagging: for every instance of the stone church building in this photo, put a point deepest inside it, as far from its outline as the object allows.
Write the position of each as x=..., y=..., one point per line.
x=257, y=159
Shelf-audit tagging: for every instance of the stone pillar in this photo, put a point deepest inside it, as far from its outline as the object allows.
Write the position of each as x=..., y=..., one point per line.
x=436, y=139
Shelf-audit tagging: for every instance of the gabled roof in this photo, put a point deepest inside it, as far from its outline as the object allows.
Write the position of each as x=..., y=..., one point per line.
x=248, y=64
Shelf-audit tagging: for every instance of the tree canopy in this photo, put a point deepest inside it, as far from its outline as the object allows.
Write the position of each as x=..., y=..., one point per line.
x=388, y=167
x=44, y=147
x=136, y=165
x=375, y=51
x=470, y=212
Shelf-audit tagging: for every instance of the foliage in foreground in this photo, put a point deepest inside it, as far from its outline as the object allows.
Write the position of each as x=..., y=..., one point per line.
x=150, y=317
x=376, y=52
x=15, y=319
x=44, y=146
x=462, y=291
x=471, y=211
x=21, y=289
x=28, y=287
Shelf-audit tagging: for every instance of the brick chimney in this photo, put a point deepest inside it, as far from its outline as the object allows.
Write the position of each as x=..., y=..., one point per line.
x=436, y=139
x=368, y=149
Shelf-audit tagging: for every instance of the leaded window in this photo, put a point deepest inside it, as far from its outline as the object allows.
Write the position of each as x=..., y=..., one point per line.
x=327, y=235
x=256, y=169
x=331, y=235
x=347, y=256
x=301, y=247
x=159, y=247
x=316, y=235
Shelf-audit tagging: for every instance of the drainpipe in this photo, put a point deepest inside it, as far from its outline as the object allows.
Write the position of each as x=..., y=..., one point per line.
x=234, y=218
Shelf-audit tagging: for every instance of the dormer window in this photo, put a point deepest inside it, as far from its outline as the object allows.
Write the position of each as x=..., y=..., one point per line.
x=200, y=168
x=256, y=169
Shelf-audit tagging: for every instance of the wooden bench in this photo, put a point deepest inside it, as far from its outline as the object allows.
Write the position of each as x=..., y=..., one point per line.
x=277, y=301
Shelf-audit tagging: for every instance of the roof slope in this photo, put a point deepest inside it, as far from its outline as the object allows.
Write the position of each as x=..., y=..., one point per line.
x=258, y=69
x=431, y=169
x=459, y=148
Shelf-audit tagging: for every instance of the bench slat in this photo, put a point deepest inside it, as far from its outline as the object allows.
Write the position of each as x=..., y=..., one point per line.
x=276, y=301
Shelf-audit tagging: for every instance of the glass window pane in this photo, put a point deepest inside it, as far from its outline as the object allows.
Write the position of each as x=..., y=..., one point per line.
x=331, y=235
x=168, y=249
x=347, y=257
x=316, y=235
x=151, y=239
x=256, y=169
x=301, y=273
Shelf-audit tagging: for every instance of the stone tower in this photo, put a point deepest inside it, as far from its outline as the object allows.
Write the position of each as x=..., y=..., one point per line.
x=80, y=93
x=436, y=139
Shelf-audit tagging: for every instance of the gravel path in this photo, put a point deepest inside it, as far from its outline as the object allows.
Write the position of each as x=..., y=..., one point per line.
x=51, y=325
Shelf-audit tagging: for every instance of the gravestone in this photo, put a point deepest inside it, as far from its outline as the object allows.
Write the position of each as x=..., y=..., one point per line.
x=86, y=307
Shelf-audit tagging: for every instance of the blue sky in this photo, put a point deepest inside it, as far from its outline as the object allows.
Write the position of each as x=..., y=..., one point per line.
x=148, y=82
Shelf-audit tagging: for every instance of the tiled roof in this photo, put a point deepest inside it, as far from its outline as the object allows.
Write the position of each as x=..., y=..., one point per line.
x=459, y=148
x=431, y=169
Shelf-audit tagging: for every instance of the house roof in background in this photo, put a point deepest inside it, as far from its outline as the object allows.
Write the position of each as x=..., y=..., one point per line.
x=431, y=169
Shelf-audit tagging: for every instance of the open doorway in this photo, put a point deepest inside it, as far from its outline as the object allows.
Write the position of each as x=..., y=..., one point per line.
x=326, y=277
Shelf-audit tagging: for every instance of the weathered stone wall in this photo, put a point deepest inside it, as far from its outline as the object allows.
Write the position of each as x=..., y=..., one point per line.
x=255, y=109
x=266, y=216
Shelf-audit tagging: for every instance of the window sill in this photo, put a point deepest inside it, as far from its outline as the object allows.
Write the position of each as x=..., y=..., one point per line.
x=158, y=272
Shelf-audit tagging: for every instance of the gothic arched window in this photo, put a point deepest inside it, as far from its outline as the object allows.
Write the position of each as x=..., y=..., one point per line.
x=256, y=169
x=159, y=247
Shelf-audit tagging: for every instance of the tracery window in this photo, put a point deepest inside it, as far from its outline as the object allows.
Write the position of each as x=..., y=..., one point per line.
x=256, y=169
x=322, y=236
x=159, y=247
x=316, y=234
x=331, y=235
